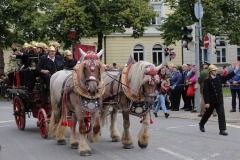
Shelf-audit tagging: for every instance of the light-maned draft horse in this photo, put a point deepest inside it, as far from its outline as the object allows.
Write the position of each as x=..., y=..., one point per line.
x=131, y=90
x=77, y=92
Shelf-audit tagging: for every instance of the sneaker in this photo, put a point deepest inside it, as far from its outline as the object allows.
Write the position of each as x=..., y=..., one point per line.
x=200, y=115
x=193, y=111
x=166, y=115
x=155, y=114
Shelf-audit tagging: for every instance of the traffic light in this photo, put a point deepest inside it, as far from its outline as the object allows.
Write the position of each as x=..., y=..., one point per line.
x=166, y=52
x=189, y=37
x=214, y=41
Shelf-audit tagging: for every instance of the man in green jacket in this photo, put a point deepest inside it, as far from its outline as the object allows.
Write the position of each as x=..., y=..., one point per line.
x=203, y=75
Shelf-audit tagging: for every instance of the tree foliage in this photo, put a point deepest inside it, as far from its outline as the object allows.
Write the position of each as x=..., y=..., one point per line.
x=92, y=18
x=220, y=17
x=40, y=20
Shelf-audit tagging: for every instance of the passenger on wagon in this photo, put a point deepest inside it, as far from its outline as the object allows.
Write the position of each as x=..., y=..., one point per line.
x=68, y=61
x=49, y=64
x=32, y=64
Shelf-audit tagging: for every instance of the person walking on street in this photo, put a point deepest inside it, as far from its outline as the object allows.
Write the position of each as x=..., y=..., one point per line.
x=213, y=97
x=203, y=75
x=235, y=87
x=165, y=84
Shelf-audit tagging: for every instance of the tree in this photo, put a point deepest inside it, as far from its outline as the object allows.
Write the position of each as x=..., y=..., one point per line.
x=220, y=18
x=93, y=18
x=18, y=24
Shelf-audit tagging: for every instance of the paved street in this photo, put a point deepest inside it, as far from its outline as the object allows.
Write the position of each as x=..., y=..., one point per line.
x=175, y=138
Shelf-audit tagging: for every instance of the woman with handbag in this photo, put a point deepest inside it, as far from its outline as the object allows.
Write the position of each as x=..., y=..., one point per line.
x=192, y=88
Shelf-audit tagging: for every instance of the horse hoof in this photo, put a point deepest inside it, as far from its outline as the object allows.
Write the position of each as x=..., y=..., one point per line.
x=116, y=139
x=85, y=153
x=74, y=145
x=142, y=145
x=128, y=146
x=61, y=142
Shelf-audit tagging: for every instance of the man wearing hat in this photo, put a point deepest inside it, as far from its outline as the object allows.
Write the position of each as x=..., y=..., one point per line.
x=213, y=97
x=203, y=75
x=32, y=65
x=49, y=64
x=68, y=61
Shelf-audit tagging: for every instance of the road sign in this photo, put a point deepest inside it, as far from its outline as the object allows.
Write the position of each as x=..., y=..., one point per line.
x=198, y=10
x=206, y=42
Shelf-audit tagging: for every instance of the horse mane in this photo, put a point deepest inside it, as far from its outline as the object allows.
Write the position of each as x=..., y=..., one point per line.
x=136, y=76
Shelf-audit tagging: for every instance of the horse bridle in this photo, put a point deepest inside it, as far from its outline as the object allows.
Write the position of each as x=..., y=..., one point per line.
x=150, y=71
x=91, y=60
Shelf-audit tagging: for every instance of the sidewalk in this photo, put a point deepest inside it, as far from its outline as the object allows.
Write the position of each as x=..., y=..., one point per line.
x=230, y=117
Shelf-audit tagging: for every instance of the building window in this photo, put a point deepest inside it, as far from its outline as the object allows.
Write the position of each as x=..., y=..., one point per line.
x=157, y=56
x=138, y=53
x=157, y=6
x=238, y=53
x=203, y=54
x=221, y=53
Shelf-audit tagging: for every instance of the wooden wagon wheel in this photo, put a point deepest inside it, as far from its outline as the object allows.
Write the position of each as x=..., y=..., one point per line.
x=43, y=123
x=19, y=112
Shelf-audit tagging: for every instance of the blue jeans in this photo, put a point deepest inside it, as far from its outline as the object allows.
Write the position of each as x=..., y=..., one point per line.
x=233, y=92
x=161, y=102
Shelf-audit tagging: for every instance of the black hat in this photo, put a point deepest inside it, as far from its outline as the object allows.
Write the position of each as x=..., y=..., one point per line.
x=206, y=62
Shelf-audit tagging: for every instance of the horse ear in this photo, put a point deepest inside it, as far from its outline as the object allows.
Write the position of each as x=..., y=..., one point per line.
x=159, y=67
x=100, y=53
x=82, y=52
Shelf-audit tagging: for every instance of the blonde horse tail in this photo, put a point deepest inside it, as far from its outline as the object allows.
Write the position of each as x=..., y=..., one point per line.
x=52, y=125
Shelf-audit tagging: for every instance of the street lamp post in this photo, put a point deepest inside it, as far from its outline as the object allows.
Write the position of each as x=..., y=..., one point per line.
x=73, y=36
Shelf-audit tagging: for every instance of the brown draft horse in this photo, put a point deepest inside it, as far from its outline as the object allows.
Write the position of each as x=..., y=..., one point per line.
x=134, y=96
x=77, y=91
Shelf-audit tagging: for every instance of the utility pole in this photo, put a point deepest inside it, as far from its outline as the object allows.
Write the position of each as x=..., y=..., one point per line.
x=198, y=10
x=197, y=92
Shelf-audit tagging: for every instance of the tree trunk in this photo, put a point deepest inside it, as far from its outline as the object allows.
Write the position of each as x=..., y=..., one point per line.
x=100, y=41
x=1, y=59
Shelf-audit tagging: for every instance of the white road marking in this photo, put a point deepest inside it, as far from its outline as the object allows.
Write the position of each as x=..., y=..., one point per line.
x=5, y=126
x=212, y=156
x=234, y=126
x=6, y=121
x=174, y=127
x=215, y=155
x=175, y=154
x=193, y=125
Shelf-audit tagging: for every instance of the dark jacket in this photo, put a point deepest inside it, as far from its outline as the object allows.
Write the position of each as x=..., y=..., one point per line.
x=69, y=64
x=212, y=91
x=23, y=57
x=33, y=58
x=176, y=81
x=47, y=64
